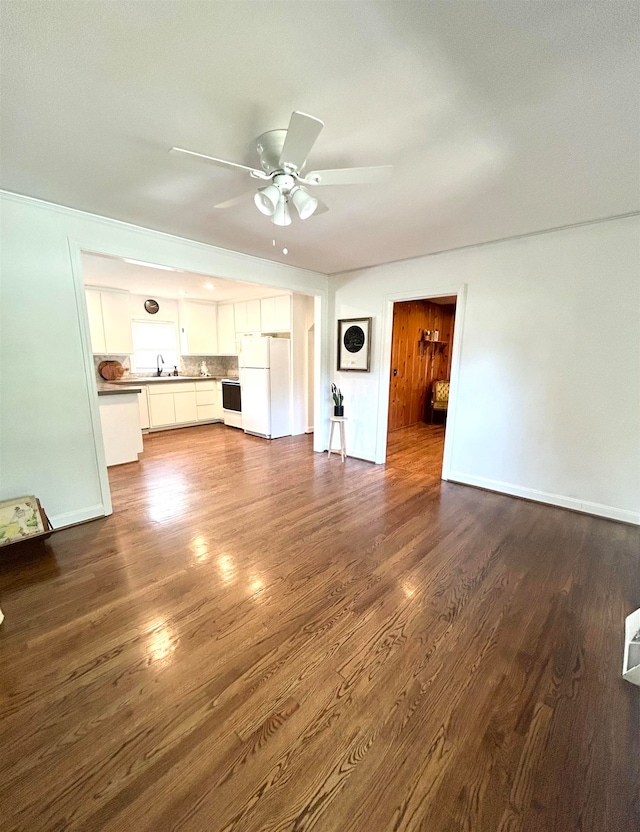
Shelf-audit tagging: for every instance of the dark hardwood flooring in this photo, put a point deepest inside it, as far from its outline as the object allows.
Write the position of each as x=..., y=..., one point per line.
x=418, y=448
x=262, y=639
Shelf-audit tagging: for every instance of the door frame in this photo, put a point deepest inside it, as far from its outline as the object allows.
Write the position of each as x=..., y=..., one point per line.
x=77, y=245
x=460, y=291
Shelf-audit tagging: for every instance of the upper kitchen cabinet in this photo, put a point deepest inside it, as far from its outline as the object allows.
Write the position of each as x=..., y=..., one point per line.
x=198, y=328
x=276, y=314
x=247, y=316
x=109, y=322
x=253, y=316
x=96, y=327
x=226, y=330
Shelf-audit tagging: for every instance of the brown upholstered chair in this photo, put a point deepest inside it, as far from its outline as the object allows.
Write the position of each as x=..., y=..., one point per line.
x=439, y=398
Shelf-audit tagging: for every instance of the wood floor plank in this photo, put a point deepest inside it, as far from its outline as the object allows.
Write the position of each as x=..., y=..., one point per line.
x=261, y=638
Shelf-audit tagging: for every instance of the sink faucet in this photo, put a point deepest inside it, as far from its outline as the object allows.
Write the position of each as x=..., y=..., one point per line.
x=159, y=358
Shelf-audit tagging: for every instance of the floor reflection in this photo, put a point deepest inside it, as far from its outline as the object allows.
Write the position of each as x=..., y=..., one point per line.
x=227, y=568
x=161, y=643
x=199, y=548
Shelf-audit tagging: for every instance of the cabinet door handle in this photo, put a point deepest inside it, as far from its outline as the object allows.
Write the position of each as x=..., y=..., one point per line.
x=395, y=372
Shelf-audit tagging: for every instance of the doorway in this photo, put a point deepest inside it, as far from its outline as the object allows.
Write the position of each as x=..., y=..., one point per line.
x=420, y=374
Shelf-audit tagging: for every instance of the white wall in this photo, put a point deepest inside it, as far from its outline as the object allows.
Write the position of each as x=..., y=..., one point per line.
x=48, y=404
x=548, y=394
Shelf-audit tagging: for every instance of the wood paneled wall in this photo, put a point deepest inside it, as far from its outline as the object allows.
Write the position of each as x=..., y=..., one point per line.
x=416, y=365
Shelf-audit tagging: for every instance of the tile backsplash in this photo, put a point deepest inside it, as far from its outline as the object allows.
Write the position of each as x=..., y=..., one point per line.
x=220, y=366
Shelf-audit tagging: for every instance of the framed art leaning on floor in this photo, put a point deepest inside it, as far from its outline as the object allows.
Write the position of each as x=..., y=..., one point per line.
x=354, y=345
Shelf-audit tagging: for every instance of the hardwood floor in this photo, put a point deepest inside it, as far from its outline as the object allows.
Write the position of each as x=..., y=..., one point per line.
x=418, y=448
x=261, y=639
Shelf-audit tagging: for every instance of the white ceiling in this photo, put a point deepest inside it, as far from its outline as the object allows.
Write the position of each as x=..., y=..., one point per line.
x=499, y=118
x=112, y=273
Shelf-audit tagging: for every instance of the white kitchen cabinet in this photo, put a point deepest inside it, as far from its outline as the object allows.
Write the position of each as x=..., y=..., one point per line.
x=198, y=328
x=206, y=413
x=109, y=322
x=247, y=316
x=116, y=318
x=275, y=314
x=240, y=316
x=253, y=316
x=282, y=313
x=226, y=329
x=161, y=410
x=121, y=435
x=185, y=406
x=268, y=315
x=96, y=327
x=183, y=402
x=205, y=396
x=143, y=407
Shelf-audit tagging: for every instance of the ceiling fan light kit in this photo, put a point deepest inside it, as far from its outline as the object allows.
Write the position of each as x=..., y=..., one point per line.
x=283, y=155
x=281, y=215
x=304, y=202
x=266, y=199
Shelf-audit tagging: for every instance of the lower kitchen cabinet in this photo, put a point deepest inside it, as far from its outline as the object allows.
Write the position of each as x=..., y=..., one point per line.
x=207, y=396
x=143, y=407
x=185, y=407
x=161, y=410
x=121, y=434
x=171, y=404
x=207, y=412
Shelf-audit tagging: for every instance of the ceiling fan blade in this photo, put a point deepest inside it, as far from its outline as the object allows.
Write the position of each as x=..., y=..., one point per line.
x=350, y=176
x=322, y=207
x=302, y=133
x=223, y=163
x=236, y=200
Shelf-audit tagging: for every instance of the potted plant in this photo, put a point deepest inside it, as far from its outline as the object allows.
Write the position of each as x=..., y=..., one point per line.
x=338, y=398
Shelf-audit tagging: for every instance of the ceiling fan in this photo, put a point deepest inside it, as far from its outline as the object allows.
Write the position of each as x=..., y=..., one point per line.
x=283, y=155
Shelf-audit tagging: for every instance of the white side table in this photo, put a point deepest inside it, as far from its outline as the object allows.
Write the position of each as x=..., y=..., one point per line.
x=338, y=420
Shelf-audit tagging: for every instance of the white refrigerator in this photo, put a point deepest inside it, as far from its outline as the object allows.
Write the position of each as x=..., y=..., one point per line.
x=265, y=382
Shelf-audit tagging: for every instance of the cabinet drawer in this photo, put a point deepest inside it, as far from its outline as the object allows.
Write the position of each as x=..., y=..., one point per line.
x=205, y=385
x=205, y=396
x=207, y=411
x=159, y=387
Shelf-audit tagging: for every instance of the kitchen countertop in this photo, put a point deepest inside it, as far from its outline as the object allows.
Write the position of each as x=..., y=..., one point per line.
x=109, y=389
x=165, y=379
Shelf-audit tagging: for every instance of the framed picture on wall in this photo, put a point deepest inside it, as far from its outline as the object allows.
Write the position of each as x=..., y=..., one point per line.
x=354, y=345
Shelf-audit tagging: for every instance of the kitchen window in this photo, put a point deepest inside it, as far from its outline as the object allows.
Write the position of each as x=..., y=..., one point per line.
x=153, y=338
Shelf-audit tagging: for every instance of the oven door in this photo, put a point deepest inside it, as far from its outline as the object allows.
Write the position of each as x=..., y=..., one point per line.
x=231, y=396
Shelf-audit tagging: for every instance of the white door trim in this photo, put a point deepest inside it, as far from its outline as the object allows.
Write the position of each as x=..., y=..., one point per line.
x=75, y=253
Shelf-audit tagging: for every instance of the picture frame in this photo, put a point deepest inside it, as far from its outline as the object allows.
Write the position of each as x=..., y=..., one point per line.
x=354, y=345
x=23, y=518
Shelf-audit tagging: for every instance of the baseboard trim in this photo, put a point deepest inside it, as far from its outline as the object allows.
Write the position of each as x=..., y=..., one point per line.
x=72, y=518
x=583, y=506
